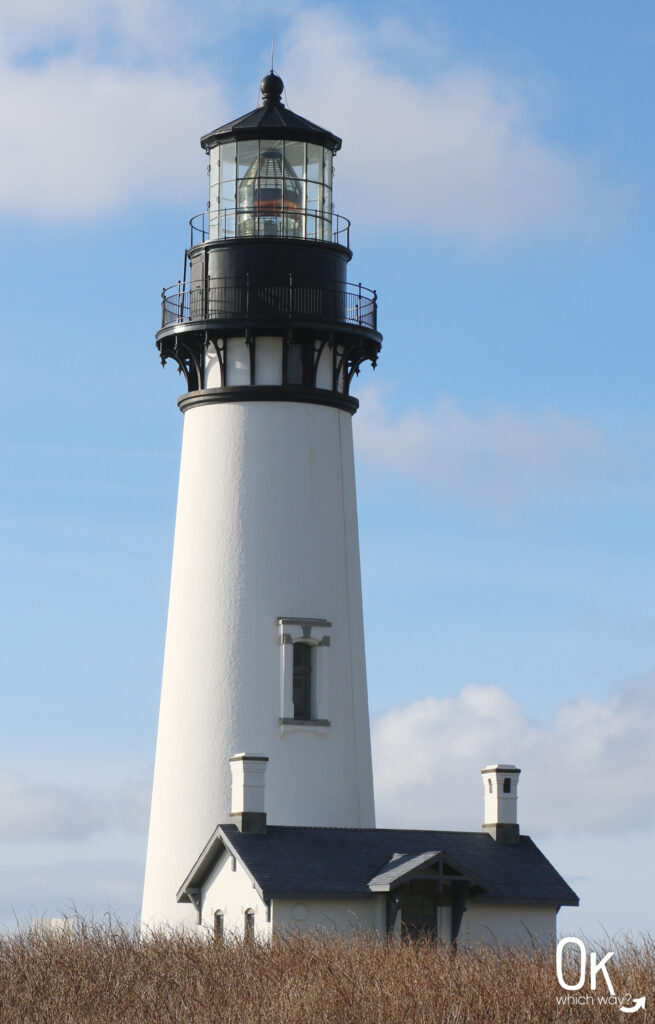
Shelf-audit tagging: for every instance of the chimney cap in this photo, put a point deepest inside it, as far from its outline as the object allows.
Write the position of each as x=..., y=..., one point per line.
x=509, y=769
x=248, y=757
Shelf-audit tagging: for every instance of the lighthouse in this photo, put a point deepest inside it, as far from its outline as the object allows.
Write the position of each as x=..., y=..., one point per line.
x=264, y=645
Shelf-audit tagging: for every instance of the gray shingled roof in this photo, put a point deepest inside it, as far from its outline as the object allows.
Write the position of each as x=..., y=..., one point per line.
x=294, y=861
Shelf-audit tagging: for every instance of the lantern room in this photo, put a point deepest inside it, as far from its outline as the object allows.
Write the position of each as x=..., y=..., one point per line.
x=270, y=174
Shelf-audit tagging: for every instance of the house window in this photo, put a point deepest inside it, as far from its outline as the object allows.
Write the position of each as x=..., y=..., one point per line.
x=507, y=785
x=218, y=925
x=249, y=924
x=302, y=681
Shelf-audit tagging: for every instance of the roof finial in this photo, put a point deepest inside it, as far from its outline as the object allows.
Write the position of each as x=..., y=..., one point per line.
x=272, y=88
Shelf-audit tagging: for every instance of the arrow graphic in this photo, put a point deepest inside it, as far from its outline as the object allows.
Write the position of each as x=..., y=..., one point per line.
x=639, y=1004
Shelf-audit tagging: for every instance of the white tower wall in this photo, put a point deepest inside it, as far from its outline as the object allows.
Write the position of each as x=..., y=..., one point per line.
x=266, y=529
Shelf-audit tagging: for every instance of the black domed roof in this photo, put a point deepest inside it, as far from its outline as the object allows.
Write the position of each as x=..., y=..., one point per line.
x=271, y=88
x=272, y=120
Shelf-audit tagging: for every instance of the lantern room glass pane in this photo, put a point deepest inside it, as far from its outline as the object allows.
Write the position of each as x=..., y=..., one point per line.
x=326, y=213
x=227, y=192
x=247, y=153
x=264, y=187
x=312, y=195
x=271, y=156
x=314, y=162
x=226, y=196
x=214, y=170
x=227, y=158
x=294, y=154
x=327, y=167
x=270, y=193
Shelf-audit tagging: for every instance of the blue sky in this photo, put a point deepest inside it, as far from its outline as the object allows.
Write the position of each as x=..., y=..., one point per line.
x=497, y=167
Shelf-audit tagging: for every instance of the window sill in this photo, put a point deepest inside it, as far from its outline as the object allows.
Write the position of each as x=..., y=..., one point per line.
x=304, y=723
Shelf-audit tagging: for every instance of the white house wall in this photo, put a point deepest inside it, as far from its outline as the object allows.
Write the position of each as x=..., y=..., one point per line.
x=330, y=916
x=505, y=924
x=232, y=892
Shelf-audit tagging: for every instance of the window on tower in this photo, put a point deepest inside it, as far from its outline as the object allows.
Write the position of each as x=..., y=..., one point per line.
x=507, y=785
x=305, y=673
x=302, y=681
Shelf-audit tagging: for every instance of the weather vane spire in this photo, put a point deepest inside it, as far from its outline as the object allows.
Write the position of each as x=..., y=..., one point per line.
x=272, y=51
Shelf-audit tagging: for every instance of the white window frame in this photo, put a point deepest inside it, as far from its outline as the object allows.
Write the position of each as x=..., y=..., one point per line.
x=316, y=633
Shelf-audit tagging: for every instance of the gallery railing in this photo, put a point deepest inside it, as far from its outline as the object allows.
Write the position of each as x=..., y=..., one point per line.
x=226, y=299
x=255, y=222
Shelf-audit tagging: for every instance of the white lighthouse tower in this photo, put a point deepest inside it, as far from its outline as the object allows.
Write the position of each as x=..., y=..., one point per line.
x=264, y=644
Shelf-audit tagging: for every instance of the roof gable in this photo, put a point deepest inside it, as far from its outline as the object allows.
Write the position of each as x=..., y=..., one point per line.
x=433, y=864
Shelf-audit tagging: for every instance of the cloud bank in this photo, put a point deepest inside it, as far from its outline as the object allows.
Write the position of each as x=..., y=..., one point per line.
x=108, y=102
x=453, y=155
x=501, y=458
x=81, y=142
x=40, y=810
x=591, y=769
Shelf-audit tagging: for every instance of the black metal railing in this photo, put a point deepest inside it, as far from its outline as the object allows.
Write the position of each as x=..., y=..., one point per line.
x=227, y=299
x=252, y=222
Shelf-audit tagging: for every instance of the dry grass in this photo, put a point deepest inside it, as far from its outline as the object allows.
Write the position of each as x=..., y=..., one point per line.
x=105, y=974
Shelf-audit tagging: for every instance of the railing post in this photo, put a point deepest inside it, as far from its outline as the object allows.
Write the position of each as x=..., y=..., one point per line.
x=375, y=310
x=180, y=310
x=163, y=307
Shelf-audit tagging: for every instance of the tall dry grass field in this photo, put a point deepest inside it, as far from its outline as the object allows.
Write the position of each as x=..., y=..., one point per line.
x=105, y=974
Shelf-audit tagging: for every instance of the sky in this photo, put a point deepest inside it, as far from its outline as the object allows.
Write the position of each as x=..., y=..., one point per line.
x=497, y=167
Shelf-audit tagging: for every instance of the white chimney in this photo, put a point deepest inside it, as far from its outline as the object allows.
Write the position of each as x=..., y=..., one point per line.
x=248, y=811
x=500, y=783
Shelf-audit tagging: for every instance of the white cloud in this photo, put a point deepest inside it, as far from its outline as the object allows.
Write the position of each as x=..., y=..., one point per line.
x=105, y=104
x=591, y=769
x=38, y=29
x=453, y=155
x=43, y=810
x=80, y=141
x=501, y=458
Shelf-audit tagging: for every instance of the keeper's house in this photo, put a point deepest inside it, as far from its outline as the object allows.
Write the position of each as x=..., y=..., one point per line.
x=493, y=886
